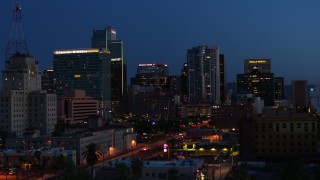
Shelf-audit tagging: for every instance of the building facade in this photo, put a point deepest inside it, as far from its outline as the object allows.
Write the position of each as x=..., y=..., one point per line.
x=47, y=80
x=84, y=69
x=151, y=75
x=280, y=133
x=315, y=98
x=75, y=107
x=258, y=83
x=203, y=74
x=107, y=39
x=184, y=83
x=279, y=88
x=23, y=103
x=110, y=141
x=300, y=94
x=151, y=101
x=258, y=80
x=222, y=78
x=187, y=169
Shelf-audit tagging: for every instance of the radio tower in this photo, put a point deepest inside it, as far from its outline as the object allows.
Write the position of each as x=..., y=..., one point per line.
x=17, y=44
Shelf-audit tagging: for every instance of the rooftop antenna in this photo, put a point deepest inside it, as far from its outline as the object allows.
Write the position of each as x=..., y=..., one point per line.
x=17, y=44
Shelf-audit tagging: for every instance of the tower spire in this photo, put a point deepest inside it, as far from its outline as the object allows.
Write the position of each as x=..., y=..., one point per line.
x=17, y=43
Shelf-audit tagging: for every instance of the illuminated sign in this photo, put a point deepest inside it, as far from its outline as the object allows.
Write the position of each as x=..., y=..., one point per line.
x=157, y=65
x=146, y=64
x=257, y=61
x=77, y=75
x=78, y=51
x=165, y=148
x=116, y=59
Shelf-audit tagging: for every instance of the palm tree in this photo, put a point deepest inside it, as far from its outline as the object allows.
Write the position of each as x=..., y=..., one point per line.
x=173, y=174
x=92, y=155
x=123, y=170
x=136, y=168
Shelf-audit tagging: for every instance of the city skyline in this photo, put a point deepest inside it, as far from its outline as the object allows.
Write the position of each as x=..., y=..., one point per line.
x=161, y=32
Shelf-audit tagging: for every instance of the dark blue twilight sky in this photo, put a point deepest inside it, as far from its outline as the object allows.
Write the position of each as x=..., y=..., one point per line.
x=286, y=31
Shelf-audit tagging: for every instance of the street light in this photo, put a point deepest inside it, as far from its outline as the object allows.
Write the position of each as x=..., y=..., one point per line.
x=133, y=144
x=27, y=167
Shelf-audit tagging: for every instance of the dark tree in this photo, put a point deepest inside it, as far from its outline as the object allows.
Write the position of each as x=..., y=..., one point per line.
x=92, y=155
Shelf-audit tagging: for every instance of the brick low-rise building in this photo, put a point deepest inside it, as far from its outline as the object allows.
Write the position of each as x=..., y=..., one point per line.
x=281, y=134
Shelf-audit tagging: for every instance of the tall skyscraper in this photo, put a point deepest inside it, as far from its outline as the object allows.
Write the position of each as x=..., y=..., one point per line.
x=222, y=78
x=84, y=69
x=101, y=38
x=279, y=88
x=184, y=82
x=300, y=94
x=47, y=80
x=106, y=39
x=203, y=74
x=23, y=104
x=257, y=79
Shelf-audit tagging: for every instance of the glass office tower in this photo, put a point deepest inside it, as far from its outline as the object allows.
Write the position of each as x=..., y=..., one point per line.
x=85, y=69
x=203, y=75
x=106, y=39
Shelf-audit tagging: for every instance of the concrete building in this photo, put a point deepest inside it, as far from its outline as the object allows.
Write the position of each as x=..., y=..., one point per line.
x=196, y=110
x=23, y=103
x=257, y=83
x=75, y=107
x=151, y=101
x=300, y=94
x=151, y=75
x=42, y=111
x=229, y=116
x=84, y=69
x=222, y=67
x=110, y=140
x=153, y=170
x=279, y=88
x=203, y=74
x=282, y=134
x=184, y=83
x=47, y=80
x=315, y=98
x=16, y=156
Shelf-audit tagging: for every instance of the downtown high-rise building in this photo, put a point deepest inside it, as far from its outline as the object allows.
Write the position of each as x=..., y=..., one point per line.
x=222, y=67
x=47, y=80
x=300, y=94
x=184, y=83
x=101, y=38
x=22, y=102
x=151, y=75
x=204, y=74
x=279, y=88
x=257, y=79
x=84, y=69
x=107, y=39
x=24, y=107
